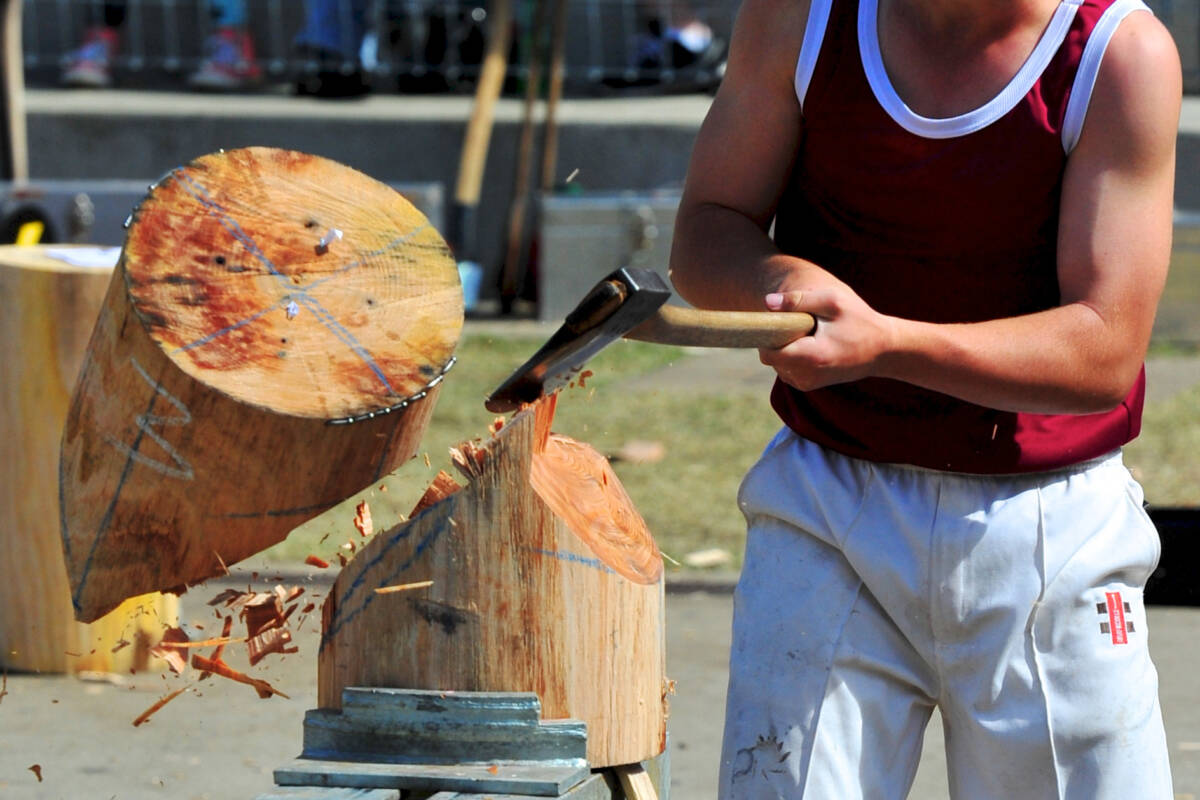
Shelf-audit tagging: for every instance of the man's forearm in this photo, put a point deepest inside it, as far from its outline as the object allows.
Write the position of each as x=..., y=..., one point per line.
x=1065, y=360
x=721, y=259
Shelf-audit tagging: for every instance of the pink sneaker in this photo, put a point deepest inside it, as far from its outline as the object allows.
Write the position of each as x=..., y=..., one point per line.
x=90, y=66
x=229, y=63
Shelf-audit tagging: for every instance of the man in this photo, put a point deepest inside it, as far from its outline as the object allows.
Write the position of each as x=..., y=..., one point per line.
x=974, y=200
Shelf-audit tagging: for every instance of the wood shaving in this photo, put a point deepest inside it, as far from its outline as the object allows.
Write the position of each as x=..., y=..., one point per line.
x=218, y=667
x=314, y=561
x=403, y=587
x=162, y=701
x=36, y=769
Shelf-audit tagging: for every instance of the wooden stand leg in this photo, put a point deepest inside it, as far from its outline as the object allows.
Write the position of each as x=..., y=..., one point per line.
x=636, y=782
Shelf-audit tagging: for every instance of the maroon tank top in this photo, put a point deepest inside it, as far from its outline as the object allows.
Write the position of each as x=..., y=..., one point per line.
x=941, y=220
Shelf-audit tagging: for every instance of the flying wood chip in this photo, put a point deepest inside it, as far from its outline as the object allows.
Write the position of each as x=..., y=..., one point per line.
x=36, y=769
x=162, y=701
x=362, y=519
x=218, y=667
x=170, y=650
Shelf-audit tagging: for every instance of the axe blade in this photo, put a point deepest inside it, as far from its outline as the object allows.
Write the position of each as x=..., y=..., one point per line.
x=616, y=305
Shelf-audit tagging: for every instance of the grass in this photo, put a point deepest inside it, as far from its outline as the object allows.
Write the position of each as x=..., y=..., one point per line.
x=1163, y=458
x=688, y=498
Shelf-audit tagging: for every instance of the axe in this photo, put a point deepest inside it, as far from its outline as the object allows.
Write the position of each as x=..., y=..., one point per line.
x=631, y=304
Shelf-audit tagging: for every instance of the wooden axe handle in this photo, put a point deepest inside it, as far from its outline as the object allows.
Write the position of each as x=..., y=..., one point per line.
x=692, y=327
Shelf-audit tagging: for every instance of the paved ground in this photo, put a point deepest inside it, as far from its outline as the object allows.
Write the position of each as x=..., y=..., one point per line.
x=223, y=743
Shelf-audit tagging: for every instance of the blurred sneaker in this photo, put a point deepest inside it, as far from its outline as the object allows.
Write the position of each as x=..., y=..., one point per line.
x=90, y=66
x=229, y=64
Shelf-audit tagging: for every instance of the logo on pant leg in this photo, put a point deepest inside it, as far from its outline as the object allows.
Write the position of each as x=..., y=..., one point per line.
x=1117, y=623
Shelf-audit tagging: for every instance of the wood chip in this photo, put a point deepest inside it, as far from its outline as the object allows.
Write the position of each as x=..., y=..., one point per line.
x=219, y=641
x=171, y=649
x=443, y=486
x=218, y=667
x=227, y=597
x=313, y=561
x=275, y=640
x=162, y=701
x=403, y=587
x=639, y=451
x=36, y=769
x=3, y=686
x=120, y=645
x=362, y=519
x=219, y=650
x=710, y=557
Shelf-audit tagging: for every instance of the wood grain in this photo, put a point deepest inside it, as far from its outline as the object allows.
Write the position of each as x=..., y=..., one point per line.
x=520, y=602
x=235, y=329
x=47, y=307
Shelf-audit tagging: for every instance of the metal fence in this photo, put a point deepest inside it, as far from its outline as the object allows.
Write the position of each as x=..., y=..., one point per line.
x=607, y=40
x=408, y=41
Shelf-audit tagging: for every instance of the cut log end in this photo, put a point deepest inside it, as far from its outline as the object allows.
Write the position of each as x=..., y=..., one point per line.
x=580, y=487
x=259, y=268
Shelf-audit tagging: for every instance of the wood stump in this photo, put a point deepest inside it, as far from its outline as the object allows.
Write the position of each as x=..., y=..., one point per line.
x=47, y=308
x=544, y=579
x=271, y=343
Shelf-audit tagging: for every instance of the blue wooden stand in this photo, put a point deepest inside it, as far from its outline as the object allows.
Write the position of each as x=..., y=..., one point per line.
x=406, y=744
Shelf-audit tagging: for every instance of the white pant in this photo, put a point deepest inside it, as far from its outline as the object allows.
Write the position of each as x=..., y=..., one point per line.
x=872, y=592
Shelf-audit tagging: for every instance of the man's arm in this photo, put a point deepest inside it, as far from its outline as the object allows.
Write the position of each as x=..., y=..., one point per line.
x=722, y=257
x=1113, y=251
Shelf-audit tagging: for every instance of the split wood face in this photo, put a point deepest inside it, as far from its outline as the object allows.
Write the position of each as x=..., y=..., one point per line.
x=579, y=485
x=293, y=283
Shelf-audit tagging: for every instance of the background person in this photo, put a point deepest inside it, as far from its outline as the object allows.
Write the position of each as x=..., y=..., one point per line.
x=228, y=62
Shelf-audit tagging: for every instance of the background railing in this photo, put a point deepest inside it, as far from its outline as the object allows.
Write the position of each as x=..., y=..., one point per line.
x=430, y=44
x=404, y=51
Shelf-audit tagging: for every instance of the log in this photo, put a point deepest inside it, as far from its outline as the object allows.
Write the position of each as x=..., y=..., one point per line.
x=527, y=594
x=47, y=307
x=271, y=343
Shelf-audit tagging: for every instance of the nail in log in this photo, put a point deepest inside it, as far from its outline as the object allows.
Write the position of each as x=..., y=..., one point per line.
x=271, y=342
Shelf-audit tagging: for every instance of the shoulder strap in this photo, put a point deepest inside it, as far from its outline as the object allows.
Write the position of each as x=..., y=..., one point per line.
x=1089, y=68
x=810, y=48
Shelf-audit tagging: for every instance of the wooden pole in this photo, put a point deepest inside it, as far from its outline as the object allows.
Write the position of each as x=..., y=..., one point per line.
x=544, y=579
x=14, y=145
x=47, y=307
x=473, y=157
x=271, y=342
x=558, y=58
x=518, y=213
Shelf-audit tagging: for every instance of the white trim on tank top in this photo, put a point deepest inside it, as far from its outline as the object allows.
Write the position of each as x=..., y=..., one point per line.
x=971, y=121
x=1089, y=68
x=810, y=48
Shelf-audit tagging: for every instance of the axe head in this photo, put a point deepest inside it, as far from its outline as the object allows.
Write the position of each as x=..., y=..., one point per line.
x=616, y=305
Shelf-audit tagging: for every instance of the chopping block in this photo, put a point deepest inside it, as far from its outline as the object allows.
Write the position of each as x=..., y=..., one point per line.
x=49, y=298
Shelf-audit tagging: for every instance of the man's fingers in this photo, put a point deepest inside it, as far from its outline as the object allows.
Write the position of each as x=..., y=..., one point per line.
x=783, y=301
